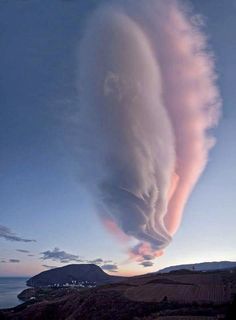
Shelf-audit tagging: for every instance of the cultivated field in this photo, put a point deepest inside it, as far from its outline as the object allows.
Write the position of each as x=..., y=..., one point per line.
x=214, y=287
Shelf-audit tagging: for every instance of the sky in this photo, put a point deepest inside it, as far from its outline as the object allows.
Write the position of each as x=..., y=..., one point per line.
x=47, y=217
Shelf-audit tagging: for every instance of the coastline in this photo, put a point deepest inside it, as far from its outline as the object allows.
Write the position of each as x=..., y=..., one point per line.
x=10, y=287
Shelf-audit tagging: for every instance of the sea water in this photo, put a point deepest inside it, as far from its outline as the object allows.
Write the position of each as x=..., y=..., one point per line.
x=9, y=289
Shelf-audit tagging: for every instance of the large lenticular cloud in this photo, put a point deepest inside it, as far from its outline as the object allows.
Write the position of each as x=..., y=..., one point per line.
x=147, y=99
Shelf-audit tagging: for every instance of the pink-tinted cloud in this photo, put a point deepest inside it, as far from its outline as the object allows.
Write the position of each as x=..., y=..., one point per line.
x=191, y=98
x=147, y=101
x=112, y=227
x=144, y=251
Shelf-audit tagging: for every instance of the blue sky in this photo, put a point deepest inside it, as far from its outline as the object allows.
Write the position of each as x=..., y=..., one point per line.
x=40, y=194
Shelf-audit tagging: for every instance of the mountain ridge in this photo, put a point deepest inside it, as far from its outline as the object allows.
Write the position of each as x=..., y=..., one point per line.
x=202, y=266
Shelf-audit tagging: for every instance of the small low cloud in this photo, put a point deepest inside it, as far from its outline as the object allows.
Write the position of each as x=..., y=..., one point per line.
x=146, y=264
x=9, y=261
x=22, y=250
x=49, y=267
x=95, y=261
x=60, y=255
x=14, y=260
x=110, y=267
x=30, y=255
x=7, y=234
x=148, y=257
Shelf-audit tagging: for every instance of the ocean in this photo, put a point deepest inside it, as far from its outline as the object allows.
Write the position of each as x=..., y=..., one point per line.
x=9, y=289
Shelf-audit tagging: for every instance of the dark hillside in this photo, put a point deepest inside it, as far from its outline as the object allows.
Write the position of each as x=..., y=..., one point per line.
x=74, y=273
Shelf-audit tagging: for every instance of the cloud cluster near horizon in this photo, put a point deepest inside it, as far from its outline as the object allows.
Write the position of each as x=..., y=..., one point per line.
x=146, y=264
x=148, y=99
x=10, y=261
x=59, y=255
x=64, y=257
x=110, y=267
x=7, y=234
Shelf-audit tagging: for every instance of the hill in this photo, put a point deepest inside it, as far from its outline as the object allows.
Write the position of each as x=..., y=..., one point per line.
x=79, y=274
x=186, y=296
x=203, y=266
